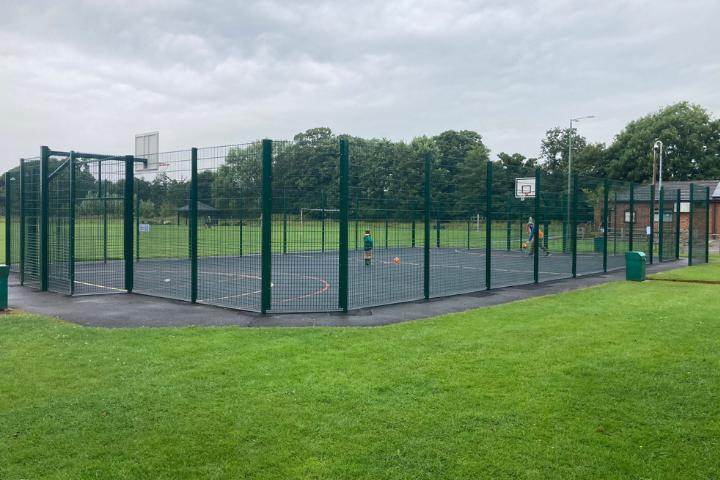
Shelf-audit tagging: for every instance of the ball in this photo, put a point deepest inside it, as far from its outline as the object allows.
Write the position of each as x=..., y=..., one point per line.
x=524, y=245
x=396, y=260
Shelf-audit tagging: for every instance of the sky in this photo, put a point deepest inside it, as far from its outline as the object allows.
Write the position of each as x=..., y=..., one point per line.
x=89, y=75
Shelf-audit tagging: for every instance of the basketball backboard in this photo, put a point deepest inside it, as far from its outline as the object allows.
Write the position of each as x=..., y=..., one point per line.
x=147, y=145
x=525, y=187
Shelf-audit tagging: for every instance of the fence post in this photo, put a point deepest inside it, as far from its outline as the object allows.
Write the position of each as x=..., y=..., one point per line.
x=469, y=222
x=357, y=220
x=564, y=199
x=71, y=225
x=678, y=205
x=8, y=218
x=266, y=250
x=536, y=240
x=128, y=221
x=488, y=225
x=413, y=208
x=322, y=220
x=632, y=217
x=605, y=222
x=284, y=205
x=661, y=223
x=22, y=221
x=426, y=213
x=508, y=233
x=651, y=240
x=690, y=225
x=44, y=219
x=573, y=225
x=137, y=225
x=193, y=224
x=707, y=224
x=437, y=231
x=343, y=247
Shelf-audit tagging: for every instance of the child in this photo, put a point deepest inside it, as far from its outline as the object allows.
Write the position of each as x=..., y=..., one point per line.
x=368, y=246
x=535, y=234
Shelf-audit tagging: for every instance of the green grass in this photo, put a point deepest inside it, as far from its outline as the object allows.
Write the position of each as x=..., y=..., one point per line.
x=617, y=381
x=703, y=272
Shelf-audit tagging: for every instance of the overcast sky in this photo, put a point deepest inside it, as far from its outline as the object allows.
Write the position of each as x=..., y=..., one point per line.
x=89, y=75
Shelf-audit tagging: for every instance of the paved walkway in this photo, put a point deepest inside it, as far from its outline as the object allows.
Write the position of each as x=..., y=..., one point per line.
x=122, y=310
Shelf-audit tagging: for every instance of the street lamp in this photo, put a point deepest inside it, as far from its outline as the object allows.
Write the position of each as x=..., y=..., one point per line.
x=570, y=133
x=658, y=152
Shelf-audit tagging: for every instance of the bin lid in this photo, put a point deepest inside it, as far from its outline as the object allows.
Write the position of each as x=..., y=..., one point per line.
x=4, y=271
x=634, y=255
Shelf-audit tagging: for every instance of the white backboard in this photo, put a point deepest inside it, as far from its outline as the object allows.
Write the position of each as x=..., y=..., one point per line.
x=525, y=187
x=147, y=145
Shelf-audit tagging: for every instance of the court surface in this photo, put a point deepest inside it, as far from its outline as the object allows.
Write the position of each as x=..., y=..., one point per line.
x=308, y=281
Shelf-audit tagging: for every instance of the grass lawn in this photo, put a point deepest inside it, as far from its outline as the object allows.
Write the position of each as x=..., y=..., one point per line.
x=702, y=272
x=616, y=381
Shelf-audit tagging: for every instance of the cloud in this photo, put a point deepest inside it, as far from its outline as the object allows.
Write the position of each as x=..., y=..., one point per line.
x=90, y=74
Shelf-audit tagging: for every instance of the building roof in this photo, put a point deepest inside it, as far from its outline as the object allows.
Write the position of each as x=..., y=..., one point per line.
x=642, y=192
x=201, y=207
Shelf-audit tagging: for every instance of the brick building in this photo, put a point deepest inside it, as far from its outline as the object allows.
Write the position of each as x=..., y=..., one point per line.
x=620, y=205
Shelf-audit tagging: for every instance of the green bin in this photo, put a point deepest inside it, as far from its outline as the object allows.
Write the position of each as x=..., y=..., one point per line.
x=4, y=274
x=598, y=244
x=635, y=266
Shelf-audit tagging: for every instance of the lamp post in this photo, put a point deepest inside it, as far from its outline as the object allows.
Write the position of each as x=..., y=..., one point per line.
x=570, y=133
x=658, y=152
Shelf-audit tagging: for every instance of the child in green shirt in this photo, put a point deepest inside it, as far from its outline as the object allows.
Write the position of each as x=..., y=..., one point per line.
x=368, y=246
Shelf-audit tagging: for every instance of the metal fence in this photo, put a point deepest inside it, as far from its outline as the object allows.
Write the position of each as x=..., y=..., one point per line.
x=242, y=226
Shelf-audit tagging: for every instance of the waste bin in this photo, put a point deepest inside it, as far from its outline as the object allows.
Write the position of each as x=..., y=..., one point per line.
x=635, y=266
x=4, y=273
x=598, y=244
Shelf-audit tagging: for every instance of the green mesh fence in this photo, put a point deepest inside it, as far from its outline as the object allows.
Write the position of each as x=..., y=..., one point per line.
x=698, y=227
x=162, y=233
x=99, y=228
x=229, y=217
x=667, y=219
x=243, y=226
x=12, y=218
x=59, y=225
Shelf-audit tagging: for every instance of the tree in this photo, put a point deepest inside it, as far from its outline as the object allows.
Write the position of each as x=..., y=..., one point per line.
x=691, y=139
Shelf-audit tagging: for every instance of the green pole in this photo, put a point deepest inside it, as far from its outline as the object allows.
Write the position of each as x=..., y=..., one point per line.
x=508, y=207
x=386, y=230
x=44, y=216
x=651, y=240
x=632, y=217
x=661, y=227
x=343, y=245
x=536, y=243
x=707, y=224
x=691, y=225
x=322, y=221
x=8, y=218
x=563, y=206
x=469, y=221
x=678, y=203
x=605, y=222
x=266, y=251
x=193, y=224
x=22, y=221
x=426, y=214
x=284, y=204
x=413, y=207
x=615, y=223
x=137, y=225
x=546, y=228
x=488, y=226
x=71, y=225
x=357, y=221
x=573, y=220
x=242, y=221
x=128, y=227
x=437, y=231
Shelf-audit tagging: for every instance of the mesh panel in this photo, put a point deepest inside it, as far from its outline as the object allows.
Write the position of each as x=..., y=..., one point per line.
x=699, y=225
x=641, y=226
x=666, y=220
x=389, y=207
x=305, y=220
x=14, y=221
x=619, y=224
x=59, y=258
x=590, y=225
x=30, y=271
x=162, y=205
x=99, y=230
x=229, y=234
x=555, y=222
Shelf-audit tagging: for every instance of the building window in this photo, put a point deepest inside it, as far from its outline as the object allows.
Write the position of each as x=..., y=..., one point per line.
x=627, y=216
